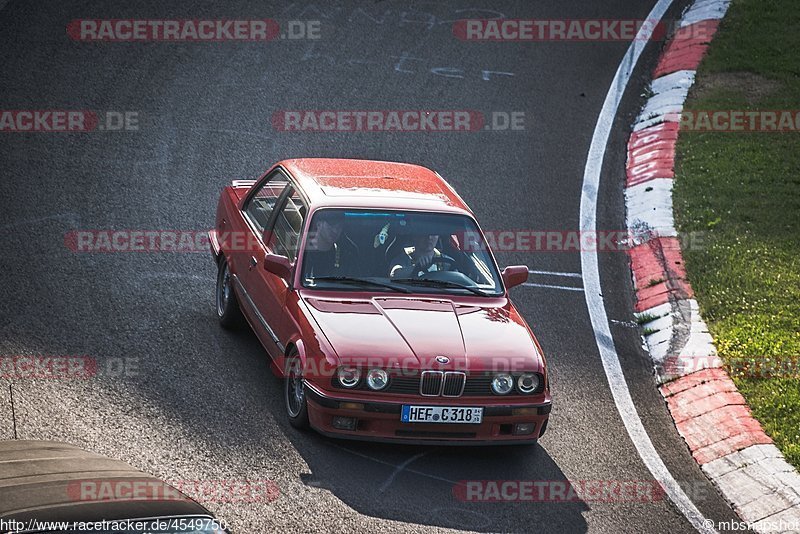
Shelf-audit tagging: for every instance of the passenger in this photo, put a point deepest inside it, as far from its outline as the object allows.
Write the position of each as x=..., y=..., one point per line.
x=328, y=251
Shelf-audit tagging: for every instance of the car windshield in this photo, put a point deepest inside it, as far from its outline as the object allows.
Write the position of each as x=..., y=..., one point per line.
x=351, y=249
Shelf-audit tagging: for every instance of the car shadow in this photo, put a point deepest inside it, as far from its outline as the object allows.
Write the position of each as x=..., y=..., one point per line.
x=216, y=388
x=413, y=484
x=430, y=485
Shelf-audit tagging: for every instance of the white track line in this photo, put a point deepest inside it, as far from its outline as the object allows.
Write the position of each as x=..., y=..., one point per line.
x=554, y=273
x=566, y=288
x=591, y=277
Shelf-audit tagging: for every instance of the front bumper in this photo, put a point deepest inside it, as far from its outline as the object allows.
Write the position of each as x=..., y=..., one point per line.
x=380, y=421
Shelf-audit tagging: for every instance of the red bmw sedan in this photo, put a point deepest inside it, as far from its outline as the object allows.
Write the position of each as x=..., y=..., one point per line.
x=380, y=304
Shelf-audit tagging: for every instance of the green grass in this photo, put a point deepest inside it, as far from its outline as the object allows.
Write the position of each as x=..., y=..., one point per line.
x=743, y=191
x=654, y=282
x=645, y=318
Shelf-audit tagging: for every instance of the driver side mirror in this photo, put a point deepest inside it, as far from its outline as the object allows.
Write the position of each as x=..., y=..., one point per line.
x=514, y=275
x=278, y=265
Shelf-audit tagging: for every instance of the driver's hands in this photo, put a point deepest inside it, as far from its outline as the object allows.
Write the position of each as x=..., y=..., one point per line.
x=423, y=263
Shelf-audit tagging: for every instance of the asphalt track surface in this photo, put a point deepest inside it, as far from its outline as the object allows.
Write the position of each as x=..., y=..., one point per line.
x=203, y=405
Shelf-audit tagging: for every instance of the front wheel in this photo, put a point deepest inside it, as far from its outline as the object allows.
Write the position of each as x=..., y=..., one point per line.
x=294, y=393
x=228, y=312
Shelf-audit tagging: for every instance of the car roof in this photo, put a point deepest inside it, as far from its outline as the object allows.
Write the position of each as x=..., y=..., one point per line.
x=360, y=183
x=41, y=480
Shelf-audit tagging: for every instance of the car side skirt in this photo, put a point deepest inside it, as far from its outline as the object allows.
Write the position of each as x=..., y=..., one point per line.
x=251, y=306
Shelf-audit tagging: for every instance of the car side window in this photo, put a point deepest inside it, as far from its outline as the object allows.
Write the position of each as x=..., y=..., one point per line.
x=260, y=205
x=285, y=238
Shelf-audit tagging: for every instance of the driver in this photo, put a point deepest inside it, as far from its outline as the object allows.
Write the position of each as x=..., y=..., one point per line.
x=423, y=257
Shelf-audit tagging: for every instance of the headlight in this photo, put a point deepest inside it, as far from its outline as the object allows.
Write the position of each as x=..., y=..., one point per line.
x=349, y=376
x=502, y=383
x=528, y=383
x=377, y=379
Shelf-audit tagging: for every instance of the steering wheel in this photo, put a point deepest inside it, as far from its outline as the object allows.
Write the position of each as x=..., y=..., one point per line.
x=442, y=258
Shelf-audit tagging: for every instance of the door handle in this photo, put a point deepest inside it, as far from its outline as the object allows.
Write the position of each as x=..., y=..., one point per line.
x=253, y=262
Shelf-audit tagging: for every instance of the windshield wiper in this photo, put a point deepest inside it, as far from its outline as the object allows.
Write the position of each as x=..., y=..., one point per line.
x=359, y=281
x=439, y=283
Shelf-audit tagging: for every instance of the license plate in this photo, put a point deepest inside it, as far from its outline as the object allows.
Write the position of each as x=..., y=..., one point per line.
x=441, y=414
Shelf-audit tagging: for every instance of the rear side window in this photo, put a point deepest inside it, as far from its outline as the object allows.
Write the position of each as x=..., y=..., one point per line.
x=261, y=204
x=285, y=238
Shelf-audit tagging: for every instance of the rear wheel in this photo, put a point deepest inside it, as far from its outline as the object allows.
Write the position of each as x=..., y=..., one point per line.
x=228, y=312
x=294, y=393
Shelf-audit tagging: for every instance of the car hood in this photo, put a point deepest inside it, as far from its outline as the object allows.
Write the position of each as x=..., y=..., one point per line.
x=411, y=332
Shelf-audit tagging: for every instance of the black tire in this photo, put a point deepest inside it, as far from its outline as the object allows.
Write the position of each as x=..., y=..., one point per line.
x=294, y=396
x=228, y=312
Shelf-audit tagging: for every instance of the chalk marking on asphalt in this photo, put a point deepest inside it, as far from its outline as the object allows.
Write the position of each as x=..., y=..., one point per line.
x=566, y=288
x=554, y=273
x=399, y=469
x=384, y=462
x=591, y=276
